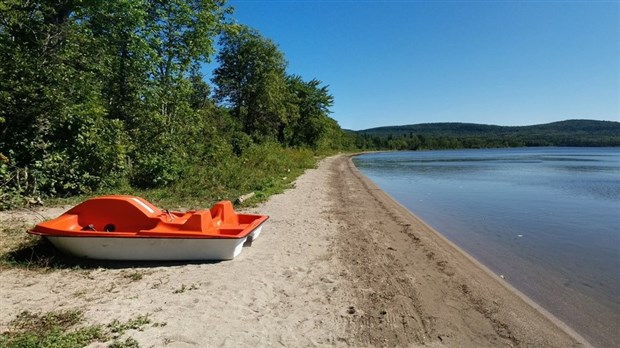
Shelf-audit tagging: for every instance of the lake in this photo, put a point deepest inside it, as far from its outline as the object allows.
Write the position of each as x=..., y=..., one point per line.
x=548, y=219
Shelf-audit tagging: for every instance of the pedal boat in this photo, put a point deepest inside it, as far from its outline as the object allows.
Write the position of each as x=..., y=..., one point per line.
x=131, y=228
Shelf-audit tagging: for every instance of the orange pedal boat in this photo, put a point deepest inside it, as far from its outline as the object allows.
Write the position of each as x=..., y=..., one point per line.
x=131, y=228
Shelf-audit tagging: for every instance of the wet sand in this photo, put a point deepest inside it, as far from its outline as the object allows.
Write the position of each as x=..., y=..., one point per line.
x=338, y=264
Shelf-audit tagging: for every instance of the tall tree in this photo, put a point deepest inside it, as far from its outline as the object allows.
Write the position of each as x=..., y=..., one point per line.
x=119, y=27
x=50, y=97
x=180, y=34
x=79, y=79
x=313, y=102
x=251, y=80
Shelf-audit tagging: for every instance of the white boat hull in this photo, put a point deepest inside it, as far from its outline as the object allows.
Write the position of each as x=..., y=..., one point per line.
x=254, y=235
x=151, y=249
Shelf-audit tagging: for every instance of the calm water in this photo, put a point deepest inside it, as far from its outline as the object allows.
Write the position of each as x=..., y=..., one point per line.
x=546, y=218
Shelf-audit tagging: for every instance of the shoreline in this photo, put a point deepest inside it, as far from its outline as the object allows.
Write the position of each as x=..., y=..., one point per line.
x=339, y=263
x=383, y=196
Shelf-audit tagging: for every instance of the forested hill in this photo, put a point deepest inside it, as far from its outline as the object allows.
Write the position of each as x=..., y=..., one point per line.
x=470, y=135
x=568, y=127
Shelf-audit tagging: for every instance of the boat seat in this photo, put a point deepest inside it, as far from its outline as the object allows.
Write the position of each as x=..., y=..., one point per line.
x=115, y=214
x=223, y=213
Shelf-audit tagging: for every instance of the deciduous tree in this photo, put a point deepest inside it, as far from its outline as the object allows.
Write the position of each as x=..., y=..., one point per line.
x=251, y=81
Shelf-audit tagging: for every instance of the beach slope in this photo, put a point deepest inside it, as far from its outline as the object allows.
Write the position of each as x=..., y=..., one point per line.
x=414, y=287
x=338, y=264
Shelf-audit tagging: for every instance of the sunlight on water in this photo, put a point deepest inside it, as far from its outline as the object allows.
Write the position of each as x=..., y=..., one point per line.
x=547, y=218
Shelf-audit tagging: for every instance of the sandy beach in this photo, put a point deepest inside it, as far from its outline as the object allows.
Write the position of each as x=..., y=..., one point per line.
x=338, y=264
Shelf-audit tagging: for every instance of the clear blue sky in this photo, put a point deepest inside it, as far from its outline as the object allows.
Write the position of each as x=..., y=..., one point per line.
x=492, y=62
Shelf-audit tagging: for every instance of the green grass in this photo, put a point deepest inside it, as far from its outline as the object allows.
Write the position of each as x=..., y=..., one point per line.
x=56, y=330
x=134, y=275
x=127, y=343
x=118, y=328
x=185, y=288
x=64, y=329
x=265, y=169
x=19, y=249
x=33, y=253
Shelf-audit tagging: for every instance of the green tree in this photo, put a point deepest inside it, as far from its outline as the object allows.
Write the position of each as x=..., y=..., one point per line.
x=180, y=34
x=154, y=84
x=251, y=81
x=55, y=126
x=88, y=87
x=313, y=102
x=118, y=26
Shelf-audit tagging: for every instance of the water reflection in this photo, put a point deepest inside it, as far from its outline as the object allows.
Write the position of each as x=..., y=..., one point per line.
x=563, y=172
x=563, y=202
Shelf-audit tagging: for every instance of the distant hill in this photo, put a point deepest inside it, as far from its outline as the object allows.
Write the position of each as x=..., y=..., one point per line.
x=591, y=127
x=471, y=135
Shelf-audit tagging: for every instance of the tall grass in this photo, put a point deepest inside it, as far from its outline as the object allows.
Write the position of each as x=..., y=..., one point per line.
x=265, y=169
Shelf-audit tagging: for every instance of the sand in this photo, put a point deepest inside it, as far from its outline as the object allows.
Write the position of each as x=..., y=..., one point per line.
x=338, y=264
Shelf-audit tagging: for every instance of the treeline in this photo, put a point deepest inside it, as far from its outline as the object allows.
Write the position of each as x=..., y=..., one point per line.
x=431, y=136
x=105, y=94
x=109, y=96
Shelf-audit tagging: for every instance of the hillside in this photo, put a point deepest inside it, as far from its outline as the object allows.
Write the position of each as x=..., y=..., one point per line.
x=470, y=135
x=591, y=127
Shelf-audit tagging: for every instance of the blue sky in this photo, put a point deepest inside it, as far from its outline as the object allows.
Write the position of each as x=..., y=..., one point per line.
x=492, y=62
